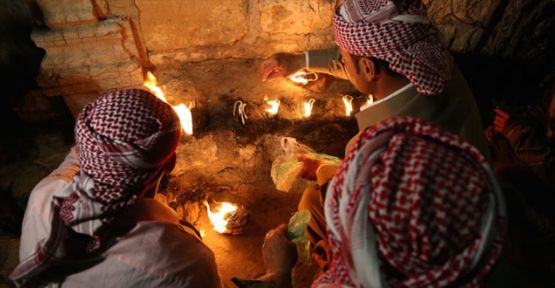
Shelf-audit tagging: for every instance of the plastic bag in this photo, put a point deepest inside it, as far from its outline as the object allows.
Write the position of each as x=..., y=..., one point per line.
x=287, y=168
x=296, y=233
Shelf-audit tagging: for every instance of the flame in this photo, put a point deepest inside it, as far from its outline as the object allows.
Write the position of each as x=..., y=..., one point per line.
x=348, y=101
x=185, y=117
x=298, y=78
x=183, y=111
x=274, y=106
x=220, y=218
x=152, y=84
x=370, y=100
x=308, y=107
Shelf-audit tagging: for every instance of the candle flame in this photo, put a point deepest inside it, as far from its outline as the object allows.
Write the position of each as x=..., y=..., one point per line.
x=303, y=77
x=308, y=107
x=298, y=78
x=370, y=100
x=183, y=111
x=220, y=218
x=348, y=101
x=274, y=106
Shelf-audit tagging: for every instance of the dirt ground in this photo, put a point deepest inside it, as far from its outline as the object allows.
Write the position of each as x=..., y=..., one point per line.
x=222, y=160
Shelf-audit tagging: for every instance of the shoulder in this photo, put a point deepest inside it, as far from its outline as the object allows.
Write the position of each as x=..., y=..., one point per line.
x=166, y=252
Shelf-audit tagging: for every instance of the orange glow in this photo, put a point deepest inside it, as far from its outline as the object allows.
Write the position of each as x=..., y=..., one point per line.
x=298, y=78
x=370, y=100
x=220, y=218
x=274, y=106
x=152, y=84
x=185, y=117
x=308, y=107
x=348, y=101
x=182, y=110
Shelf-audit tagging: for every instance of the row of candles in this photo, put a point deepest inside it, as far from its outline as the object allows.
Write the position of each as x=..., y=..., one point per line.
x=223, y=210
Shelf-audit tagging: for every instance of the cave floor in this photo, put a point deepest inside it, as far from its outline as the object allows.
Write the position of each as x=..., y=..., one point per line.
x=223, y=160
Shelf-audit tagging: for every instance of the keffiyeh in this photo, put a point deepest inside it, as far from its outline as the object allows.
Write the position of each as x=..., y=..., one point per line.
x=412, y=206
x=406, y=40
x=124, y=141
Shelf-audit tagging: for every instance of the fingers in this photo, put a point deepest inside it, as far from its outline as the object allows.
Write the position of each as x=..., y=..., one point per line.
x=270, y=69
x=500, y=112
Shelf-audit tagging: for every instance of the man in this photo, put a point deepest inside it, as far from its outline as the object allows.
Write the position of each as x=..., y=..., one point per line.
x=523, y=146
x=392, y=52
x=411, y=205
x=93, y=222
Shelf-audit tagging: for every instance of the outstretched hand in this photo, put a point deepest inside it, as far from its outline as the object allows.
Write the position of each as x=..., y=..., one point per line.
x=279, y=254
x=281, y=65
x=310, y=166
x=500, y=120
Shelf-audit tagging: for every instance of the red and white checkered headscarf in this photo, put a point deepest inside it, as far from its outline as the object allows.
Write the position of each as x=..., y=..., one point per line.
x=124, y=140
x=376, y=28
x=412, y=205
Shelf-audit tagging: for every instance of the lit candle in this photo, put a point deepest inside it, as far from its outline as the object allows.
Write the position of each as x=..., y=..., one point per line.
x=308, y=107
x=274, y=106
x=348, y=101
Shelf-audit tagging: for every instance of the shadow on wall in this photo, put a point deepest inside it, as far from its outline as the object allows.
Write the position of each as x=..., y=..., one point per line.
x=20, y=59
x=509, y=84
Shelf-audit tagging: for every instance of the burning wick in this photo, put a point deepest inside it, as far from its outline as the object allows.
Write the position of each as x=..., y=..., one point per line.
x=348, y=101
x=300, y=77
x=308, y=107
x=368, y=102
x=183, y=111
x=221, y=217
x=239, y=109
x=152, y=84
x=273, y=110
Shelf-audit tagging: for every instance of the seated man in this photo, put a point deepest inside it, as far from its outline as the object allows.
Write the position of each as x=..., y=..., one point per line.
x=93, y=222
x=389, y=49
x=524, y=162
x=412, y=205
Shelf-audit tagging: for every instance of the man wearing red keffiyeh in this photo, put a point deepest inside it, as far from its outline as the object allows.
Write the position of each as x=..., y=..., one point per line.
x=93, y=222
x=411, y=205
x=391, y=51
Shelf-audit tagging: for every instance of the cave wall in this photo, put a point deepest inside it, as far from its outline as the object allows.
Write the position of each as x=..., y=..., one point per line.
x=95, y=45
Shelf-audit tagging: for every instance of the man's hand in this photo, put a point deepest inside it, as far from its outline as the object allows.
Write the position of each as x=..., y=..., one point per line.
x=281, y=65
x=279, y=254
x=310, y=166
x=501, y=119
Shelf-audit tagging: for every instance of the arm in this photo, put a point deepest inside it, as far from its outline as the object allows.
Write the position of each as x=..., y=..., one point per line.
x=36, y=222
x=280, y=256
x=326, y=61
x=531, y=146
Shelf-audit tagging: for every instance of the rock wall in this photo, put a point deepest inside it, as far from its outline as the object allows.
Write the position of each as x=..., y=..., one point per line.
x=95, y=45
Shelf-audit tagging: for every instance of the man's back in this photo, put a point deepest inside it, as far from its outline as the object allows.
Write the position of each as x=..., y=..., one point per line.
x=152, y=249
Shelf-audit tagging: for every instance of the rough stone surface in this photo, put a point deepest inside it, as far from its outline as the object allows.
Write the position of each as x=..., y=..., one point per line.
x=520, y=29
x=89, y=59
x=58, y=13
x=295, y=17
x=172, y=24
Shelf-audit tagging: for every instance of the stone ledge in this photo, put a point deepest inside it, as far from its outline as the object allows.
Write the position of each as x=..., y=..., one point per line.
x=89, y=58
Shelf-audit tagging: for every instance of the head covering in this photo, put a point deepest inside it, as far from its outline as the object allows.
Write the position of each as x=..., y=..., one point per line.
x=124, y=140
x=412, y=205
x=406, y=40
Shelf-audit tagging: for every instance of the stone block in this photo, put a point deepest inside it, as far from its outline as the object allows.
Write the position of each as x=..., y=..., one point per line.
x=177, y=24
x=296, y=17
x=58, y=13
x=89, y=58
x=461, y=22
